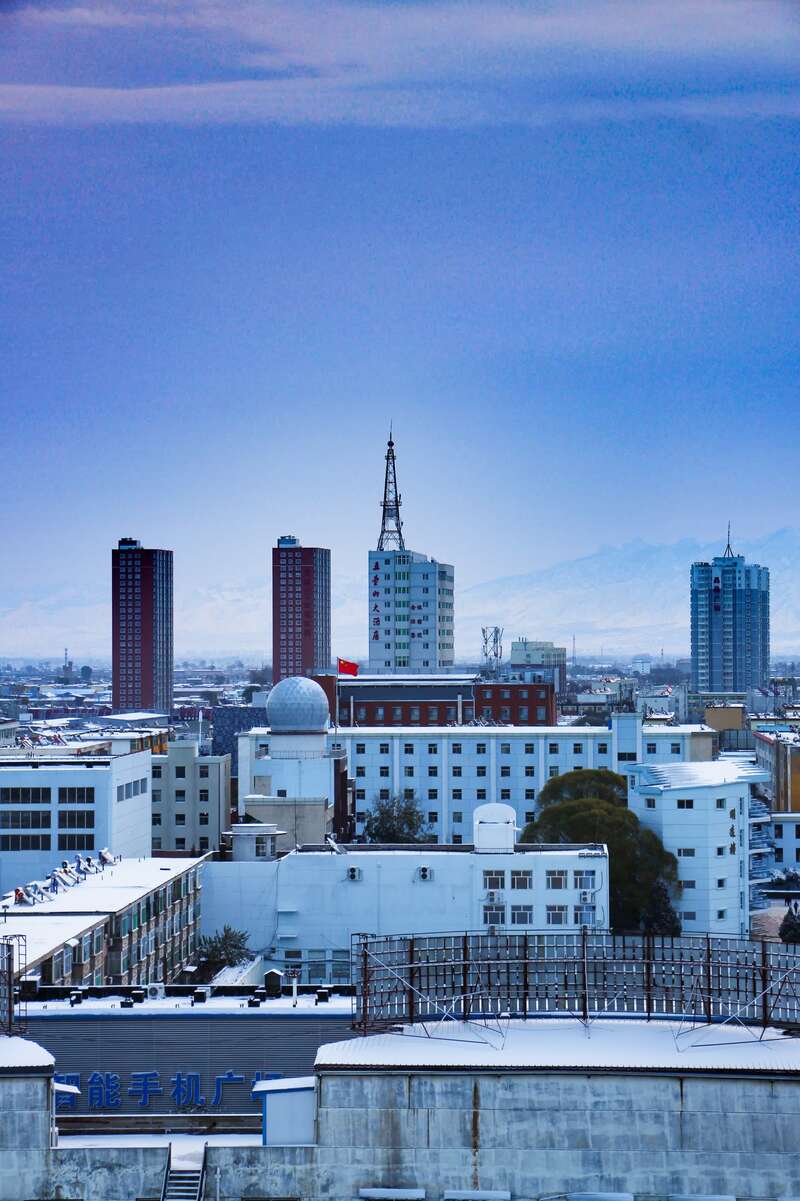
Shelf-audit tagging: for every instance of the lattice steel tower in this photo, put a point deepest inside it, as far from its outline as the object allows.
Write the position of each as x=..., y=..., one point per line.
x=391, y=525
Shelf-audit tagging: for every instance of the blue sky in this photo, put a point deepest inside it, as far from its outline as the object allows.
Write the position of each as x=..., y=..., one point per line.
x=555, y=243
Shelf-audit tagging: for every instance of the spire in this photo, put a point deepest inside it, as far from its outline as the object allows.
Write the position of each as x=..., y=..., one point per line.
x=391, y=525
x=728, y=551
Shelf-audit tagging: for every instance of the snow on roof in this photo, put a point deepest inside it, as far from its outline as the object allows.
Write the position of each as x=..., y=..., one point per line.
x=693, y=775
x=555, y=1044
x=297, y=1084
x=337, y=1007
x=20, y=1054
x=478, y=731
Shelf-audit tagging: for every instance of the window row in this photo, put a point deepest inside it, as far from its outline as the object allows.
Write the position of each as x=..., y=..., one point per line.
x=522, y=915
x=131, y=789
x=494, y=879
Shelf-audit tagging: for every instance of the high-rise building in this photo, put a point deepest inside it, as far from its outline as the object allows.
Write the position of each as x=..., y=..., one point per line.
x=301, y=609
x=730, y=624
x=410, y=596
x=141, y=597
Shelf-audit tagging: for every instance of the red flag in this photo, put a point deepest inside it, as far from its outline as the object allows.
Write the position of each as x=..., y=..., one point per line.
x=345, y=668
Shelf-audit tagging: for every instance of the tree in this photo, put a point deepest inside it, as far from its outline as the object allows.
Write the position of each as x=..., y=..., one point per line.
x=637, y=859
x=659, y=917
x=599, y=784
x=398, y=819
x=790, y=926
x=226, y=948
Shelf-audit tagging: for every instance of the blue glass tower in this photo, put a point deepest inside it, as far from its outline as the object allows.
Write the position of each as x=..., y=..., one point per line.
x=730, y=624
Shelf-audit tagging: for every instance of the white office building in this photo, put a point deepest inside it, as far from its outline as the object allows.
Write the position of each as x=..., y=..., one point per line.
x=710, y=817
x=410, y=605
x=191, y=798
x=52, y=806
x=301, y=910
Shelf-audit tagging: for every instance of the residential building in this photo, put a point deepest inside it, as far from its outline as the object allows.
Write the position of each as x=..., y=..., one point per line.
x=730, y=624
x=542, y=656
x=191, y=797
x=301, y=609
x=102, y=919
x=141, y=616
x=778, y=752
x=410, y=597
x=713, y=818
x=451, y=770
x=53, y=804
x=491, y=884
x=8, y=732
x=227, y=721
x=438, y=700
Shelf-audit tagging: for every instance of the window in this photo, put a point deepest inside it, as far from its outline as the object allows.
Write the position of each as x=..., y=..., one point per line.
x=384, y=748
x=480, y=770
x=203, y=796
x=689, y=915
x=262, y=846
x=721, y=802
x=180, y=773
x=361, y=748
x=521, y=879
x=480, y=795
x=361, y=816
x=202, y=819
x=585, y=879
x=530, y=794
x=505, y=748
x=584, y=915
x=480, y=748
x=528, y=748
x=555, y=879
x=556, y=915
x=720, y=852
x=494, y=915
x=384, y=773
x=602, y=748
x=76, y=819
x=685, y=803
x=432, y=748
x=75, y=842
x=457, y=838
x=30, y=842
x=76, y=796
x=688, y=884
x=25, y=819
x=157, y=771
x=722, y=882
x=433, y=794
x=722, y=914
x=361, y=794
x=650, y=802
x=522, y=915
x=384, y=794
x=626, y=757
x=433, y=770
x=686, y=852
x=457, y=769
x=530, y=815
x=675, y=748
x=651, y=748
x=203, y=843
x=530, y=771
x=552, y=772
x=180, y=794
x=505, y=772
x=779, y=830
x=362, y=771
x=456, y=794
x=156, y=819
x=494, y=880
x=552, y=748
x=456, y=748
x=458, y=817
x=577, y=748
x=505, y=794
x=203, y=771
x=408, y=771
x=408, y=748
x=180, y=819
x=408, y=794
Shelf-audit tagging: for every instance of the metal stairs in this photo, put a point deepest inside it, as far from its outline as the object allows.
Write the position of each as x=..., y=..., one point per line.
x=183, y=1184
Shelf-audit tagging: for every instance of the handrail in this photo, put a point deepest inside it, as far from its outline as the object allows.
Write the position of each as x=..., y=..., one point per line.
x=201, y=1186
x=167, y=1167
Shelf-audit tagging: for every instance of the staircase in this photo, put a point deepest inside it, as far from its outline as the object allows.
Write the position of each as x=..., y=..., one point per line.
x=181, y=1183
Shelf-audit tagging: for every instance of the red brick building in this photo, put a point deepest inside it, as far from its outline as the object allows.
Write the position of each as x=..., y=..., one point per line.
x=301, y=609
x=141, y=620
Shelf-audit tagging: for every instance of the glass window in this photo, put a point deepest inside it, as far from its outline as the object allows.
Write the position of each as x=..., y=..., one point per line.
x=555, y=879
x=556, y=915
x=458, y=816
x=521, y=915
x=494, y=915
x=480, y=748
x=521, y=879
x=494, y=879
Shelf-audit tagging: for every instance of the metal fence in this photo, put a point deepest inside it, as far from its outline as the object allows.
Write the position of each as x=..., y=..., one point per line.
x=411, y=978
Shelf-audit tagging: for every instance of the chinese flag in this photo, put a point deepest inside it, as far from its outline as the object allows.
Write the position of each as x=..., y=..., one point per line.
x=345, y=668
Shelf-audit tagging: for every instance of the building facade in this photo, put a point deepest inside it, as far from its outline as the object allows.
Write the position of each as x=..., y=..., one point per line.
x=451, y=770
x=409, y=700
x=544, y=656
x=191, y=797
x=491, y=884
x=54, y=805
x=301, y=609
x=711, y=817
x=729, y=624
x=410, y=604
x=142, y=652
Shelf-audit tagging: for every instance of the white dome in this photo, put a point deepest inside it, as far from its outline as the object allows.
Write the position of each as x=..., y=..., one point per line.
x=298, y=706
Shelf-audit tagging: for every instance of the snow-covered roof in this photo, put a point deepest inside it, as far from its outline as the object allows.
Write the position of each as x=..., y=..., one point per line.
x=115, y=887
x=20, y=1055
x=337, y=1007
x=296, y=1084
x=714, y=773
x=555, y=1044
x=477, y=731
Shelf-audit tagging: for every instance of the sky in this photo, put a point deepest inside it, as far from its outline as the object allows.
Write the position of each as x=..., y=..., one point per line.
x=555, y=243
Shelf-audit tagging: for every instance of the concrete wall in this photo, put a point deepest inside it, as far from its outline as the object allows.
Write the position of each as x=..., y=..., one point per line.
x=533, y=1135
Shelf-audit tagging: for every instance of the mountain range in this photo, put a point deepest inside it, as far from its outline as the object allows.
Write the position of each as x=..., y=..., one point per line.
x=622, y=600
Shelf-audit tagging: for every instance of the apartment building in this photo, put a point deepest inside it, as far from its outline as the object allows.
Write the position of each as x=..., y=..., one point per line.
x=191, y=799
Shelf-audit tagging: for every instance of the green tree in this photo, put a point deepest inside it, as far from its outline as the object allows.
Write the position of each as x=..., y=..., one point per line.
x=599, y=784
x=226, y=948
x=659, y=917
x=398, y=819
x=637, y=859
x=790, y=926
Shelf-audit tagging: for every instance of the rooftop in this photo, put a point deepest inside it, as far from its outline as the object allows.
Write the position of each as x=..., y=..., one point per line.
x=695, y=775
x=554, y=1044
x=452, y=731
x=18, y=1054
x=116, y=886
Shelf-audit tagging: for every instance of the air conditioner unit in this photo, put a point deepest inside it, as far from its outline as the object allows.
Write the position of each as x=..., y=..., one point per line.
x=354, y=873
x=585, y=898
x=156, y=992
x=425, y=873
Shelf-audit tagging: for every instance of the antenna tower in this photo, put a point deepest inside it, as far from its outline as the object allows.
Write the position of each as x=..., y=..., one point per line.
x=728, y=551
x=492, y=649
x=391, y=525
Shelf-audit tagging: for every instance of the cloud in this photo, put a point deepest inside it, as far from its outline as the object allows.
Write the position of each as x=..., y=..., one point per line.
x=434, y=64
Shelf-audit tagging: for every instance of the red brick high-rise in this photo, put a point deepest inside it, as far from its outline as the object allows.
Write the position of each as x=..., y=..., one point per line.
x=142, y=656
x=301, y=609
